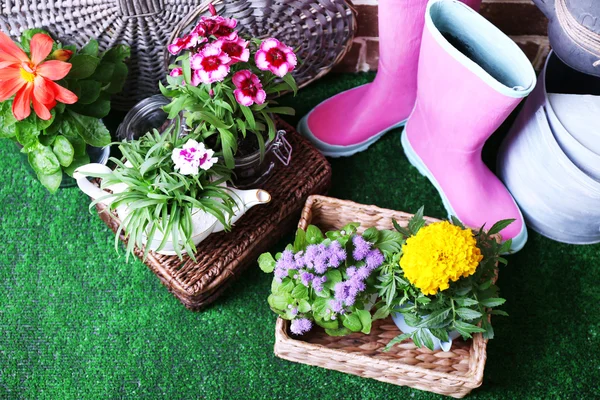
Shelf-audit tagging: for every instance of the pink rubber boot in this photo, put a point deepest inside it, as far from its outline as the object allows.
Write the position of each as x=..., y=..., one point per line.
x=463, y=97
x=353, y=120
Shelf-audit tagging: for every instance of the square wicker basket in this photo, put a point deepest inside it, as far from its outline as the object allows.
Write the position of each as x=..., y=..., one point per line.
x=454, y=373
x=223, y=256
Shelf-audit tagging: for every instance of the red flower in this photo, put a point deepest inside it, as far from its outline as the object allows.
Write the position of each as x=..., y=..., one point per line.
x=249, y=89
x=32, y=79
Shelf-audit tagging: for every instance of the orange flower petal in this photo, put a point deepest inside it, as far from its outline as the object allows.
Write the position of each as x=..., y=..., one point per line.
x=41, y=46
x=42, y=92
x=10, y=87
x=10, y=51
x=10, y=73
x=21, y=106
x=63, y=95
x=41, y=110
x=54, y=70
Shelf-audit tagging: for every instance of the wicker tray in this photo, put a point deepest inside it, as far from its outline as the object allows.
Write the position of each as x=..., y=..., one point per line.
x=223, y=256
x=454, y=373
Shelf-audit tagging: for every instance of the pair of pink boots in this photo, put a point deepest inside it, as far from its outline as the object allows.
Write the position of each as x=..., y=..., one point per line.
x=452, y=78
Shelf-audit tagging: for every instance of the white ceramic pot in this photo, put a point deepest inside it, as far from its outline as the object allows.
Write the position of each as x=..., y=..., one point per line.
x=203, y=224
x=437, y=343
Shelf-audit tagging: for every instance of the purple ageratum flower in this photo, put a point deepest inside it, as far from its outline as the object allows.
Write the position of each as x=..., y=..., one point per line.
x=336, y=306
x=300, y=326
x=320, y=263
x=284, y=264
x=294, y=311
x=363, y=273
x=350, y=271
x=318, y=282
x=306, y=278
x=361, y=248
x=374, y=259
x=356, y=285
x=337, y=251
x=311, y=252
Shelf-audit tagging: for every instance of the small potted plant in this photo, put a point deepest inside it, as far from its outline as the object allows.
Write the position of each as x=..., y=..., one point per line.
x=436, y=281
x=168, y=191
x=221, y=82
x=441, y=284
x=69, y=90
x=328, y=280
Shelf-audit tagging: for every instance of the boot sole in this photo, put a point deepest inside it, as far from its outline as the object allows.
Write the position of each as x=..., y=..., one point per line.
x=518, y=242
x=335, y=151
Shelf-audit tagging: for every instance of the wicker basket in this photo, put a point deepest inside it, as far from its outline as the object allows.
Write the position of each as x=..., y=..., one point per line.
x=223, y=256
x=322, y=29
x=454, y=373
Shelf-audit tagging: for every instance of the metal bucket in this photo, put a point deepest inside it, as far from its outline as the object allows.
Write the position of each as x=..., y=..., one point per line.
x=539, y=159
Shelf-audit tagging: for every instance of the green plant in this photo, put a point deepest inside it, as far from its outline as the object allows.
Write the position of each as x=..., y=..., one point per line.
x=161, y=195
x=328, y=279
x=221, y=83
x=464, y=306
x=55, y=140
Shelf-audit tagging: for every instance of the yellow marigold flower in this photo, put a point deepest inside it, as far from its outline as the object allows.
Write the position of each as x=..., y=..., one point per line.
x=437, y=254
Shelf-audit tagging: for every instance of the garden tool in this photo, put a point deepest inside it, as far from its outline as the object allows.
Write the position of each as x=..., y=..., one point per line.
x=471, y=76
x=574, y=32
x=353, y=120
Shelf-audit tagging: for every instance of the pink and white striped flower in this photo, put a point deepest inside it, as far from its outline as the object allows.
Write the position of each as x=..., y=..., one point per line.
x=235, y=47
x=176, y=72
x=192, y=157
x=216, y=25
x=210, y=65
x=187, y=42
x=249, y=89
x=276, y=57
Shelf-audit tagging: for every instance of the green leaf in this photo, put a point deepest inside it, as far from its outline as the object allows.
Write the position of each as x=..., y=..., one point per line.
x=63, y=150
x=249, y=116
x=437, y=319
x=466, y=302
x=492, y=302
x=441, y=334
x=332, y=325
x=400, y=229
x=83, y=66
x=397, y=339
x=26, y=133
x=390, y=241
x=279, y=302
x=89, y=91
x=499, y=312
x=333, y=276
x=300, y=241
x=303, y=306
x=381, y=313
x=371, y=235
x=91, y=129
x=319, y=305
x=104, y=72
x=365, y=320
x=118, y=79
x=457, y=222
x=98, y=109
x=51, y=181
x=424, y=338
x=417, y=221
x=313, y=235
x=300, y=292
x=467, y=313
x=282, y=110
x=338, y=332
x=289, y=79
x=465, y=329
x=498, y=226
x=43, y=160
x=266, y=263
x=117, y=53
x=91, y=48
x=352, y=322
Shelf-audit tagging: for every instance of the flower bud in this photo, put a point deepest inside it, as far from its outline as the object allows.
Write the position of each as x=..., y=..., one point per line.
x=62, y=54
x=212, y=9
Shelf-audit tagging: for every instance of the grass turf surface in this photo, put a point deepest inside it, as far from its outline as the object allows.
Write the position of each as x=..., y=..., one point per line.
x=77, y=322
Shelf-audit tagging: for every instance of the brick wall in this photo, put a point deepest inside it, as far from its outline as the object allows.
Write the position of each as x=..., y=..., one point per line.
x=520, y=19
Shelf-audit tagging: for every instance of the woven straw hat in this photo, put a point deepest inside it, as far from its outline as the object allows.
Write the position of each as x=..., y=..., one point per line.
x=321, y=29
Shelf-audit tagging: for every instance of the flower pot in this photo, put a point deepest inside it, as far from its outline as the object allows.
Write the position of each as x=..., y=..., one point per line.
x=437, y=343
x=203, y=224
x=249, y=170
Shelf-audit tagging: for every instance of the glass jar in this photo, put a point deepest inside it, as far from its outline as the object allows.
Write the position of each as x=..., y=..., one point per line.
x=249, y=171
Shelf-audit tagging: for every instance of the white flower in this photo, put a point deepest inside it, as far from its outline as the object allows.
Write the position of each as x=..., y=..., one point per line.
x=192, y=157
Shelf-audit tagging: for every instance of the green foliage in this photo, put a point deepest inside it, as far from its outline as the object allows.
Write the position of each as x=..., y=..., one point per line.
x=59, y=144
x=464, y=307
x=160, y=199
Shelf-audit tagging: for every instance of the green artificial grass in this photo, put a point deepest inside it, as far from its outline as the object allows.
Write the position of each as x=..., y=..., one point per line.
x=77, y=322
